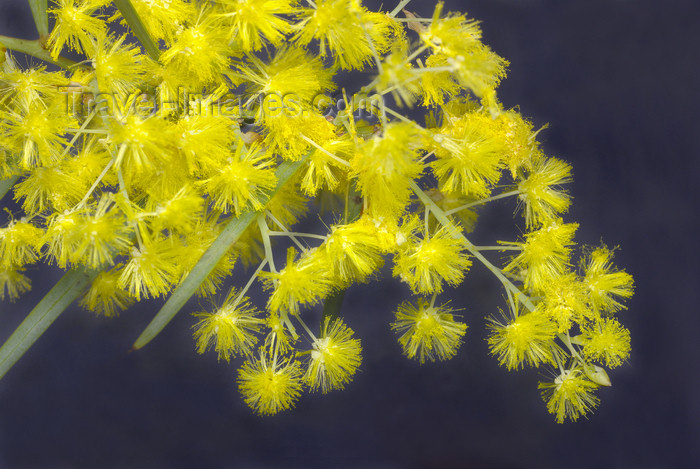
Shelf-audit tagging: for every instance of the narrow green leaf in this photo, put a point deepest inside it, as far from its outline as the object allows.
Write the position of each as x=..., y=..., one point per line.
x=137, y=27
x=208, y=261
x=6, y=185
x=41, y=16
x=33, y=48
x=71, y=285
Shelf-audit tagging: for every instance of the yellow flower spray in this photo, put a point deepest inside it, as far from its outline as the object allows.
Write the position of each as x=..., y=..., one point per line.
x=155, y=168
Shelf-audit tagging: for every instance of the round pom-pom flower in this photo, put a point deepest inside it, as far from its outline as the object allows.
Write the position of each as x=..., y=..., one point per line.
x=570, y=395
x=607, y=286
x=426, y=264
x=428, y=332
x=269, y=386
x=540, y=191
x=606, y=341
x=230, y=329
x=334, y=358
x=528, y=338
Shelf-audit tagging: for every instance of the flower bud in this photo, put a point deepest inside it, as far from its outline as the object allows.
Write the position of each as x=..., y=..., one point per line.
x=597, y=374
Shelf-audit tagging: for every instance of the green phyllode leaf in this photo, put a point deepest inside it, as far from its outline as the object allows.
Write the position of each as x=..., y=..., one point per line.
x=67, y=290
x=41, y=16
x=6, y=185
x=209, y=259
x=134, y=21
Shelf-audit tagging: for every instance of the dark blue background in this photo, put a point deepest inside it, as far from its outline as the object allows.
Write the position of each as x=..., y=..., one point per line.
x=618, y=82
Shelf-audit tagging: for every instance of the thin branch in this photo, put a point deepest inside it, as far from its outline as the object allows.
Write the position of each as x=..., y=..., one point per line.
x=33, y=48
x=399, y=7
x=442, y=218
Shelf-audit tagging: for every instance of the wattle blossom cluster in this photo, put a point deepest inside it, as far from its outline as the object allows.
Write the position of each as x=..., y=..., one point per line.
x=137, y=204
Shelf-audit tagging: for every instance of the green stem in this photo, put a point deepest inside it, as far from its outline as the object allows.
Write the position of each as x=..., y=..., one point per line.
x=306, y=328
x=566, y=339
x=399, y=7
x=94, y=185
x=296, y=234
x=252, y=278
x=77, y=135
x=483, y=201
x=34, y=48
x=329, y=154
x=137, y=27
x=440, y=215
x=265, y=234
x=416, y=53
x=284, y=232
x=414, y=20
x=397, y=114
x=41, y=17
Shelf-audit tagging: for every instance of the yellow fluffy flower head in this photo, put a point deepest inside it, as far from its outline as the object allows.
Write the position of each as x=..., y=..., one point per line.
x=384, y=165
x=345, y=30
x=428, y=332
x=526, y=339
x=302, y=282
x=352, y=251
x=607, y=286
x=76, y=25
x=570, y=395
x=334, y=357
x=427, y=263
x=200, y=52
x=606, y=341
x=184, y=135
x=230, y=329
x=254, y=21
x=539, y=190
x=268, y=386
x=470, y=152
x=545, y=254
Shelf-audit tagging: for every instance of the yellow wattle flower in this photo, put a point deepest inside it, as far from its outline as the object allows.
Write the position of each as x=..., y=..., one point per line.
x=302, y=282
x=606, y=341
x=268, y=386
x=77, y=26
x=252, y=23
x=570, y=395
x=545, y=254
x=539, y=190
x=525, y=339
x=105, y=297
x=607, y=286
x=334, y=358
x=149, y=174
x=230, y=329
x=428, y=332
x=438, y=258
x=346, y=31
